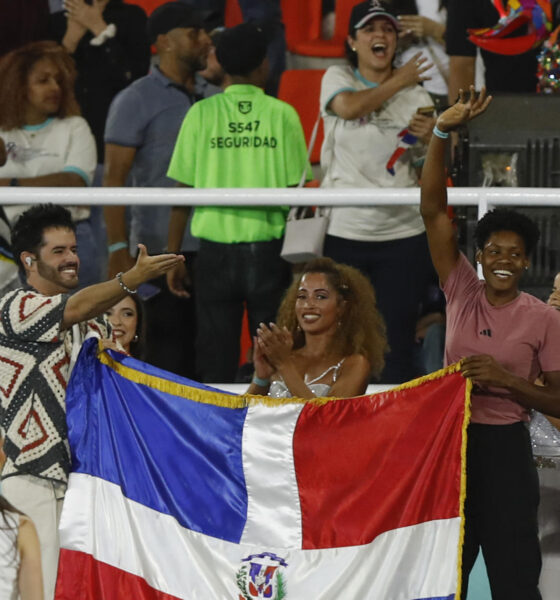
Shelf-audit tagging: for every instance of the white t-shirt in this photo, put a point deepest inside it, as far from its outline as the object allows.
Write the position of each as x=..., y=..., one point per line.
x=57, y=145
x=431, y=50
x=355, y=153
x=9, y=555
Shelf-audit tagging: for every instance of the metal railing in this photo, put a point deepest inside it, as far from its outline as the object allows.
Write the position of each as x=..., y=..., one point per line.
x=481, y=197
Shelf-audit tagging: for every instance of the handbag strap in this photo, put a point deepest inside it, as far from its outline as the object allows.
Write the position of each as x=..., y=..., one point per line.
x=312, y=141
x=295, y=210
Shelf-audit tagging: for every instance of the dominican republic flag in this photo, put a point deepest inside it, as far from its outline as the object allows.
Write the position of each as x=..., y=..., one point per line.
x=181, y=491
x=405, y=141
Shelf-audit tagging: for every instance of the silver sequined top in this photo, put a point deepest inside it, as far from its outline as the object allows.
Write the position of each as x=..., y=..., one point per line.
x=278, y=389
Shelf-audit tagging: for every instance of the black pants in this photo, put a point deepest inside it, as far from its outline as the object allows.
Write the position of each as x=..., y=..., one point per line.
x=501, y=511
x=170, y=329
x=399, y=271
x=227, y=277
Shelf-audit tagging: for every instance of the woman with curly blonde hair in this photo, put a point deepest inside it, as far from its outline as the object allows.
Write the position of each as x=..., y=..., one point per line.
x=329, y=340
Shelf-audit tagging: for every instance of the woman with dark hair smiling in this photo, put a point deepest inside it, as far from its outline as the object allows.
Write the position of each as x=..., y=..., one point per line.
x=48, y=144
x=128, y=325
x=377, y=123
x=505, y=339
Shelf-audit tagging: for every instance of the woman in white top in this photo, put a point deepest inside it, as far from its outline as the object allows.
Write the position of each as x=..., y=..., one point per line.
x=366, y=105
x=329, y=339
x=20, y=556
x=48, y=143
x=20, y=553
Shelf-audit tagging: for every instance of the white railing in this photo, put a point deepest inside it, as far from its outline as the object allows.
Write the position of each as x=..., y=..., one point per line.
x=484, y=198
x=481, y=197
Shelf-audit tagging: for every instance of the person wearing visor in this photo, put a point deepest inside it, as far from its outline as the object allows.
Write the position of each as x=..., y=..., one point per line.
x=378, y=120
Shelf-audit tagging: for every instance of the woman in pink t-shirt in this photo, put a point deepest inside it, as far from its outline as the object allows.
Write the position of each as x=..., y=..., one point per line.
x=506, y=338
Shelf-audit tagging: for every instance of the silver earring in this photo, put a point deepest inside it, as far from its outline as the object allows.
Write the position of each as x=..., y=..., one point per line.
x=135, y=338
x=353, y=49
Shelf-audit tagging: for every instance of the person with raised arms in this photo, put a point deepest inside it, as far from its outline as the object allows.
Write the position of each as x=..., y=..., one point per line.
x=41, y=329
x=505, y=338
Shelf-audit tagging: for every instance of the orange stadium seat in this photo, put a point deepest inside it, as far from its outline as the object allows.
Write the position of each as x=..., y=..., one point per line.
x=301, y=88
x=317, y=46
x=148, y=5
x=232, y=15
x=302, y=20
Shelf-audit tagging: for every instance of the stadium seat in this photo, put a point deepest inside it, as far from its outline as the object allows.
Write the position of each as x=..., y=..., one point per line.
x=316, y=46
x=301, y=88
x=232, y=15
x=302, y=21
x=148, y=5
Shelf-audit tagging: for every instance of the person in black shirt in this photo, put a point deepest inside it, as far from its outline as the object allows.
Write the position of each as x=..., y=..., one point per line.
x=109, y=43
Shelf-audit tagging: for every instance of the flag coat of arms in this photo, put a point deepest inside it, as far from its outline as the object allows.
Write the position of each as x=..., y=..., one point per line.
x=181, y=491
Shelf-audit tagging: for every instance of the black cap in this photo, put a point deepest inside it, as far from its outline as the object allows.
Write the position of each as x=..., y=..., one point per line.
x=241, y=49
x=173, y=15
x=364, y=12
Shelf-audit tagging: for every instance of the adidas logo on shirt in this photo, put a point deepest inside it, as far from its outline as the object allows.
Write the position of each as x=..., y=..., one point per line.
x=487, y=332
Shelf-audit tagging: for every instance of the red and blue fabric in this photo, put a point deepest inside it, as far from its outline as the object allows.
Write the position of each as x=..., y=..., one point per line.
x=532, y=16
x=182, y=491
x=406, y=141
